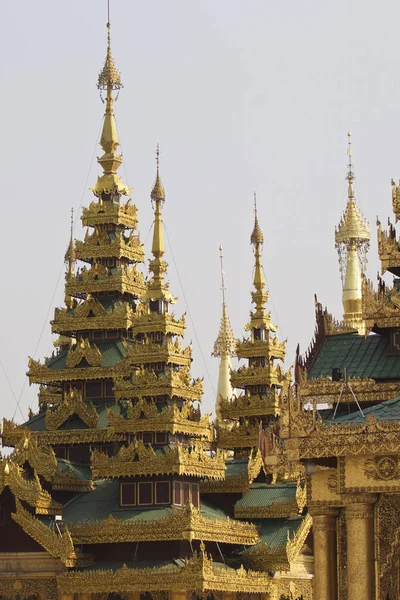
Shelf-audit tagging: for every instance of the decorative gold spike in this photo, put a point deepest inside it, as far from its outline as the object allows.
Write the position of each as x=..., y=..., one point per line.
x=256, y=236
x=158, y=192
x=224, y=348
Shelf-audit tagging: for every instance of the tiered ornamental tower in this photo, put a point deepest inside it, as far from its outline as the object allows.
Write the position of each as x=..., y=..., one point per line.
x=270, y=494
x=100, y=496
x=262, y=380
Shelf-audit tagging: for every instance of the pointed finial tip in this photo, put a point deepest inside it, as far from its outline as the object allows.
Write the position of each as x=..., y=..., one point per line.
x=158, y=192
x=256, y=236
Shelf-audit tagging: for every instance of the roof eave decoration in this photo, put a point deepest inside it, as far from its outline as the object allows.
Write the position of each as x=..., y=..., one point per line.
x=178, y=460
x=198, y=574
x=187, y=523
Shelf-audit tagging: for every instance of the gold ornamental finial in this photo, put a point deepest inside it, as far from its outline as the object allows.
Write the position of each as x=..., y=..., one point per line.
x=224, y=348
x=225, y=344
x=157, y=288
x=70, y=259
x=256, y=236
x=352, y=244
x=158, y=192
x=110, y=80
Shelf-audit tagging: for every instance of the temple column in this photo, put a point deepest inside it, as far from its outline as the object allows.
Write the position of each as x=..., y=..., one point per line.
x=325, y=559
x=360, y=544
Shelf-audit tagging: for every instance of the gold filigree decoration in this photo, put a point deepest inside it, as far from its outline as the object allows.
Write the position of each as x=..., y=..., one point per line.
x=145, y=416
x=138, y=459
x=245, y=435
x=59, y=546
x=382, y=468
x=40, y=456
x=103, y=213
x=148, y=383
x=166, y=323
x=171, y=352
x=28, y=490
x=99, y=278
x=248, y=405
x=66, y=479
x=71, y=405
x=18, y=587
x=269, y=348
x=236, y=483
x=84, y=350
x=295, y=544
x=269, y=376
x=198, y=574
x=187, y=523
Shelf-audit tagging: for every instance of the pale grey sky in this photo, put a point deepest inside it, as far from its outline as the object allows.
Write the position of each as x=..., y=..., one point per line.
x=242, y=96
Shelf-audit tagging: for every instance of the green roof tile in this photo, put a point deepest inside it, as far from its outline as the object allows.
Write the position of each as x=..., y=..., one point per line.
x=262, y=494
x=362, y=356
x=274, y=532
x=384, y=411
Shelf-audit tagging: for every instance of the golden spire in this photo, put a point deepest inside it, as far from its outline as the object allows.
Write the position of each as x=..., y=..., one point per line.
x=158, y=192
x=225, y=344
x=224, y=348
x=109, y=80
x=352, y=243
x=70, y=260
x=260, y=296
x=157, y=288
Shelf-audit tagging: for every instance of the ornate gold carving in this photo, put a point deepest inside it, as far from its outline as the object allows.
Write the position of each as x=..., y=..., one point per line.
x=186, y=523
x=84, y=350
x=71, y=405
x=178, y=460
x=103, y=213
x=100, y=245
x=166, y=323
x=324, y=390
x=198, y=574
x=148, y=383
x=382, y=468
x=245, y=376
x=290, y=508
x=251, y=405
x=295, y=544
x=59, y=546
x=271, y=348
x=103, y=279
x=40, y=456
x=13, y=434
x=39, y=373
x=90, y=315
x=236, y=483
x=145, y=416
x=17, y=588
x=141, y=354
x=28, y=490
x=66, y=479
x=239, y=436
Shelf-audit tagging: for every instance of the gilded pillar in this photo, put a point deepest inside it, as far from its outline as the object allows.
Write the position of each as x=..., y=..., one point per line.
x=66, y=597
x=360, y=553
x=325, y=559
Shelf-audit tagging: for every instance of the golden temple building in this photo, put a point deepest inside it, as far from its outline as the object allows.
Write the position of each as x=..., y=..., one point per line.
x=118, y=488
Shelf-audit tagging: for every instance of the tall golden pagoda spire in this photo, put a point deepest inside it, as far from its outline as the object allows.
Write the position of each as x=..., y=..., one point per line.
x=157, y=288
x=70, y=259
x=260, y=295
x=109, y=80
x=352, y=243
x=224, y=348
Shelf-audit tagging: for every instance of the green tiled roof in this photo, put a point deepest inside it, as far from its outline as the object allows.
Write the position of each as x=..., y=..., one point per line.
x=274, y=532
x=236, y=466
x=384, y=411
x=262, y=494
x=363, y=357
x=111, y=354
